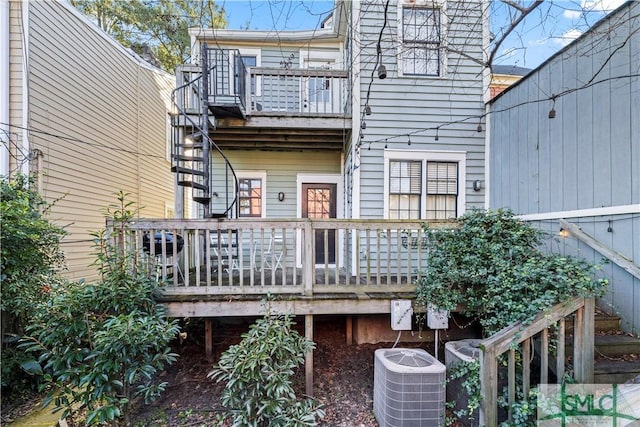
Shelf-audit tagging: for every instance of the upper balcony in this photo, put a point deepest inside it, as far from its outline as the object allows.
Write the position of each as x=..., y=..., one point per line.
x=265, y=106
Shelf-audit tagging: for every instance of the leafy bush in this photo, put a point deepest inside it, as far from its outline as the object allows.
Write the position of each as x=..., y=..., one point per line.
x=30, y=249
x=493, y=267
x=102, y=343
x=30, y=257
x=258, y=372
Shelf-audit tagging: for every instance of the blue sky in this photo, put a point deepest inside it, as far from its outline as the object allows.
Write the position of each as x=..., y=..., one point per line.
x=544, y=32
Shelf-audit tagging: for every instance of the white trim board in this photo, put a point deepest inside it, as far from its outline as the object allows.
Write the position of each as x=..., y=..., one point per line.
x=583, y=213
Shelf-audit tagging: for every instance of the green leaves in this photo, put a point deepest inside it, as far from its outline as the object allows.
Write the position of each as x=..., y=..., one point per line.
x=258, y=374
x=492, y=265
x=160, y=25
x=103, y=343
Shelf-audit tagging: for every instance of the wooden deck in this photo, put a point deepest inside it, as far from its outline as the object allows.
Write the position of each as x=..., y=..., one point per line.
x=226, y=267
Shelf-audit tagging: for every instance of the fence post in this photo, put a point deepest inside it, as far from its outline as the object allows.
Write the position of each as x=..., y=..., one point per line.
x=488, y=388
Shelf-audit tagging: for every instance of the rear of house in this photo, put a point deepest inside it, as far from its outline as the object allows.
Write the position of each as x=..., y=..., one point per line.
x=89, y=117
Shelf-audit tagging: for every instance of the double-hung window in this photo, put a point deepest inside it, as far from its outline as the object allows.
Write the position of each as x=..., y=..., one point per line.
x=424, y=184
x=405, y=189
x=421, y=48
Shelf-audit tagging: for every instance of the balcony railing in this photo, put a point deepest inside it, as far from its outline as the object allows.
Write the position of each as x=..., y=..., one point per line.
x=266, y=91
x=300, y=256
x=309, y=92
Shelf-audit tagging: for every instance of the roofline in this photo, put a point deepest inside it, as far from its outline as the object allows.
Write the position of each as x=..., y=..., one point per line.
x=336, y=32
x=601, y=22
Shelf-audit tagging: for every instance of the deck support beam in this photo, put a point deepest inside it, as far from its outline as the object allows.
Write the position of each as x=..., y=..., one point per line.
x=349, y=330
x=208, y=338
x=308, y=362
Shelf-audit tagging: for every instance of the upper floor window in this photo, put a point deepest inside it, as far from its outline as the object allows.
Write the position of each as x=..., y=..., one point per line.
x=248, y=61
x=429, y=186
x=421, y=41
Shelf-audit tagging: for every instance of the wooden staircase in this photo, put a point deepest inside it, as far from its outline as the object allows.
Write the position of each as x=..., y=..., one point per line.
x=617, y=353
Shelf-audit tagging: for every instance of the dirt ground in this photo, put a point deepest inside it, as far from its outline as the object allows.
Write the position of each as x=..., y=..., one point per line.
x=343, y=380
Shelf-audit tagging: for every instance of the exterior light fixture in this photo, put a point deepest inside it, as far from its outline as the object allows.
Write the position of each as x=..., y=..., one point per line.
x=477, y=185
x=563, y=233
x=281, y=196
x=382, y=72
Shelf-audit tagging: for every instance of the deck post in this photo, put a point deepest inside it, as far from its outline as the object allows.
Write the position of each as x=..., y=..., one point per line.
x=308, y=362
x=208, y=338
x=488, y=388
x=349, y=330
x=308, y=261
x=588, y=330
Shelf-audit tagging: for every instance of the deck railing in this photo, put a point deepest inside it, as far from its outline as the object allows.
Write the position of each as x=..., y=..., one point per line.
x=302, y=256
x=309, y=92
x=518, y=339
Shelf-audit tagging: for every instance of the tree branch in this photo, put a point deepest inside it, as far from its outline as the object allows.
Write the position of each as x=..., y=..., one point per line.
x=524, y=11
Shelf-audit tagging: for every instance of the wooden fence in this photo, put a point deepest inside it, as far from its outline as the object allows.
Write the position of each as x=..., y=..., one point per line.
x=519, y=339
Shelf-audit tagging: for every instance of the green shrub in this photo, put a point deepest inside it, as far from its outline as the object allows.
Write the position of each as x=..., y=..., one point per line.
x=101, y=343
x=30, y=246
x=492, y=265
x=258, y=374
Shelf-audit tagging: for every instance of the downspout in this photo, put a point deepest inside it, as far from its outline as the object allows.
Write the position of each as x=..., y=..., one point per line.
x=355, y=121
x=5, y=21
x=25, y=85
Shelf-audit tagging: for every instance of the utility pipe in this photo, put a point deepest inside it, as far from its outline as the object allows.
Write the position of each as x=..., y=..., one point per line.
x=4, y=86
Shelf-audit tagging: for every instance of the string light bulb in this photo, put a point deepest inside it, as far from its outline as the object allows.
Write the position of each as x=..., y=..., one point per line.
x=382, y=72
x=363, y=125
x=409, y=140
x=479, y=128
x=552, y=112
x=437, y=138
x=367, y=110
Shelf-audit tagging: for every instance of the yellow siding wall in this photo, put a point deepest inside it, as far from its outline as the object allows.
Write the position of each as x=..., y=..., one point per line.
x=111, y=112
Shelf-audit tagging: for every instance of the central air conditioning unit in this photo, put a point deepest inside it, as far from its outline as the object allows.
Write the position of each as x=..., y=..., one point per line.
x=456, y=352
x=408, y=388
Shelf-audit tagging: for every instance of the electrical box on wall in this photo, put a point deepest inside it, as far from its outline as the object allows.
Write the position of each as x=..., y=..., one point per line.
x=437, y=319
x=401, y=314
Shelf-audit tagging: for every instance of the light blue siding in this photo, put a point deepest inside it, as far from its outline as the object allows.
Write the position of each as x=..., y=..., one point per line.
x=589, y=155
x=403, y=105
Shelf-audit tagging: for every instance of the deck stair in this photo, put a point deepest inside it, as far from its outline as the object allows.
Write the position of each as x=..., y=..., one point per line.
x=617, y=353
x=193, y=150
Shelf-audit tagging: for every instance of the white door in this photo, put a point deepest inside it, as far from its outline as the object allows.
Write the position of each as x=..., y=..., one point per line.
x=320, y=92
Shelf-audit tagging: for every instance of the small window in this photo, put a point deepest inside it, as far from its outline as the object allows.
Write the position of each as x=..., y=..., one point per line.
x=248, y=61
x=250, y=197
x=442, y=190
x=405, y=189
x=421, y=41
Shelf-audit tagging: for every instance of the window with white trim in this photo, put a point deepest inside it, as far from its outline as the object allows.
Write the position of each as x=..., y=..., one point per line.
x=442, y=190
x=424, y=184
x=405, y=189
x=251, y=194
x=421, y=50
